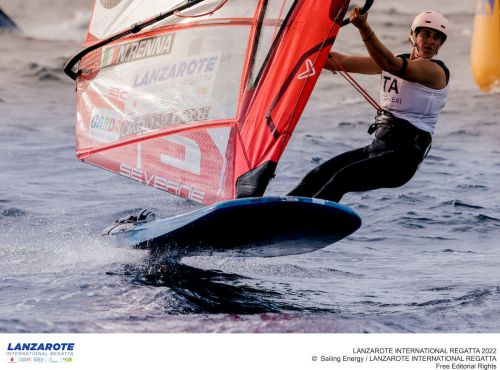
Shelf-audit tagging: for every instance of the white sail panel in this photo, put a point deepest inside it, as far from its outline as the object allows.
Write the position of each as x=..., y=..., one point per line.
x=111, y=16
x=202, y=12
x=197, y=81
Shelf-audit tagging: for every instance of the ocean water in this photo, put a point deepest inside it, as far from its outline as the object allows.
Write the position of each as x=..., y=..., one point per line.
x=425, y=260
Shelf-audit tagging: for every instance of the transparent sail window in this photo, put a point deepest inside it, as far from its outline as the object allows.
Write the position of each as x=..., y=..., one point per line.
x=195, y=80
x=275, y=14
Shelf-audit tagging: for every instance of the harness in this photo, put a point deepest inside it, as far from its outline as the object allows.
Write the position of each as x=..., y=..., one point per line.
x=400, y=133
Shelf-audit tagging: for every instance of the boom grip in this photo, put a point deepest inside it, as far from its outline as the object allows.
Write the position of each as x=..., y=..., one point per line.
x=368, y=5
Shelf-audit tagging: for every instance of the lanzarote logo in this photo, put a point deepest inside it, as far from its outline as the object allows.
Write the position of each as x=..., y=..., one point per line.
x=40, y=352
x=109, y=4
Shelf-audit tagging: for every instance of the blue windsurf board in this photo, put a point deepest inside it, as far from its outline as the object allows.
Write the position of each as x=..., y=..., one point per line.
x=248, y=227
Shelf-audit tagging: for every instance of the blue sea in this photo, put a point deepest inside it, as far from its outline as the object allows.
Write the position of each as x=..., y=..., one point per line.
x=424, y=261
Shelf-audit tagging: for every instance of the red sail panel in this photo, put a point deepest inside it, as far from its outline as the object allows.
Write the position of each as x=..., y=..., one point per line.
x=195, y=165
x=286, y=84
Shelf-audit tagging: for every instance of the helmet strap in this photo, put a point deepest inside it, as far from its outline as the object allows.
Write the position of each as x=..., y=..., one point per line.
x=413, y=40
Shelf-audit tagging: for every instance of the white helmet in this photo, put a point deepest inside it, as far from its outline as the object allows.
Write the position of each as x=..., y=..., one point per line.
x=431, y=19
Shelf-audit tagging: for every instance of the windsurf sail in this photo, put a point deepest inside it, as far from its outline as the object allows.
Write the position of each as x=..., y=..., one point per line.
x=200, y=99
x=6, y=22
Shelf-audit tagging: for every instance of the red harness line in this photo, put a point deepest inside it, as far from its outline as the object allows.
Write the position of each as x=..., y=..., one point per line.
x=341, y=71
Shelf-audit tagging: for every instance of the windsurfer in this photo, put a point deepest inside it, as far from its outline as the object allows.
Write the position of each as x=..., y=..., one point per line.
x=414, y=89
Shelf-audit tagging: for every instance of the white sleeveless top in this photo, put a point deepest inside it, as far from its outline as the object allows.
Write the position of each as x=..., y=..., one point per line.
x=418, y=104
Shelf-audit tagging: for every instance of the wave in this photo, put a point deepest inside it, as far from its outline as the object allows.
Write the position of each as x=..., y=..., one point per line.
x=12, y=212
x=43, y=73
x=72, y=29
x=460, y=204
x=208, y=291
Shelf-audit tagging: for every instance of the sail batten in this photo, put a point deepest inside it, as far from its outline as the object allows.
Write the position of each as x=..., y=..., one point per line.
x=85, y=152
